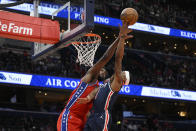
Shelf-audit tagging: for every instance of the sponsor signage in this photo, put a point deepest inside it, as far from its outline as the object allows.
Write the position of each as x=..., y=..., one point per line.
x=48, y=8
x=70, y=83
x=27, y=28
x=45, y=7
x=57, y=6
x=183, y=34
x=15, y=78
x=151, y=28
x=54, y=82
x=12, y=28
x=168, y=93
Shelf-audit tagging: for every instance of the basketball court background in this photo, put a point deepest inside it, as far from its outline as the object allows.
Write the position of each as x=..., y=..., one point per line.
x=35, y=96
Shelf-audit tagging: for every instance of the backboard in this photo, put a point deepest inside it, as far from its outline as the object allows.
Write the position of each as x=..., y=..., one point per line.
x=78, y=19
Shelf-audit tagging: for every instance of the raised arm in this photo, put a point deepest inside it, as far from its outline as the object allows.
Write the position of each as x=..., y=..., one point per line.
x=118, y=80
x=94, y=71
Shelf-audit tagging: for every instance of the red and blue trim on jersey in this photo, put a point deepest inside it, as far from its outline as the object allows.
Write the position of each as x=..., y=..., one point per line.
x=107, y=103
x=64, y=121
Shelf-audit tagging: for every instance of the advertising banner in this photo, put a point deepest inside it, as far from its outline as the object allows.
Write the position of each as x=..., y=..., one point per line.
x=27, y=28
x=15, y=78
x=70, y=84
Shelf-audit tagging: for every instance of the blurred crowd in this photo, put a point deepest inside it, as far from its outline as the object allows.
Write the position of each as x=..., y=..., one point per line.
x=162, y=70
x=146, y=68
x=21, y=62
x=170, y=13
x=152, y=123
x=27, y=121
x=166, y=13
x=12, y=120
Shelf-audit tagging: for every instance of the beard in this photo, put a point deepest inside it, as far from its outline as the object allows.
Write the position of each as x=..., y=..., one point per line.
x=101, y=78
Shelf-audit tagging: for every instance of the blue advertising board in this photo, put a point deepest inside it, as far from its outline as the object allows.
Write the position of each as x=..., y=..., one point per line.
x=70, y=84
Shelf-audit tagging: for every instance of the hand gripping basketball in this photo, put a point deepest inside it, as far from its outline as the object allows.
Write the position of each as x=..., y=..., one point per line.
x=124, y=30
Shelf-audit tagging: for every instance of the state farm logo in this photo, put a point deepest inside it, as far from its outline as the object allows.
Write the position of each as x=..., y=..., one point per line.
x=12, y=28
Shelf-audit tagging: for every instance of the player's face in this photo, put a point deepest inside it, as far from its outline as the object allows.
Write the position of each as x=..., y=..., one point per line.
x=102, y=73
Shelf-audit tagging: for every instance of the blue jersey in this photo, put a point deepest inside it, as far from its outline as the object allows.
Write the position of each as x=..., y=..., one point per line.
x=100, y=118
x=104, y=98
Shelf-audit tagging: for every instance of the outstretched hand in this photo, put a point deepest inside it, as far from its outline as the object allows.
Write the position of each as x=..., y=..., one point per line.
x=124, y=30
x=83, y=100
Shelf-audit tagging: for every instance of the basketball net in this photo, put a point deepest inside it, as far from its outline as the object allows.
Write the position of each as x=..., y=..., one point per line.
x=86, y=47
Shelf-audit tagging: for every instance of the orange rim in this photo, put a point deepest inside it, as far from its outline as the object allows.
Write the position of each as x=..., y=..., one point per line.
x=89, y=42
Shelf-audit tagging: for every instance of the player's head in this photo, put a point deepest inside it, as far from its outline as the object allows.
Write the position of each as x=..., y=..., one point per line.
x=125, y=77
x=102, y=74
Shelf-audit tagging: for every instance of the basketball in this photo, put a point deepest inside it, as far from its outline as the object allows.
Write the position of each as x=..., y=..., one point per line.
x=129, y=15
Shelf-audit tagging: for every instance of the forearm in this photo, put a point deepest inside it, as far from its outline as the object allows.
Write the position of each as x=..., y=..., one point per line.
x=92, y=94
x=89, y=97
x=119, y=54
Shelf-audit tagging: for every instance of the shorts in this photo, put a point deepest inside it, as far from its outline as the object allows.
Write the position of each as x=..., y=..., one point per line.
x=70, y=122
x=98, y=122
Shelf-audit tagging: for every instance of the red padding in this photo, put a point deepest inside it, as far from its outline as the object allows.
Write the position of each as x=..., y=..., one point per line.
x=27, y=28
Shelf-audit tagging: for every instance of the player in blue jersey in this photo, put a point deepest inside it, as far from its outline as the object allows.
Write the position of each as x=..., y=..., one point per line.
x=105, y=96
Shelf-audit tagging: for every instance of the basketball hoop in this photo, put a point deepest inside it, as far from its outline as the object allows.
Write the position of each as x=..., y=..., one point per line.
x=86, y=47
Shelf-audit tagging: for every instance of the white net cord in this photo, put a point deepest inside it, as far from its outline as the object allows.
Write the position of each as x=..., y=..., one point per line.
x=86, y=48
